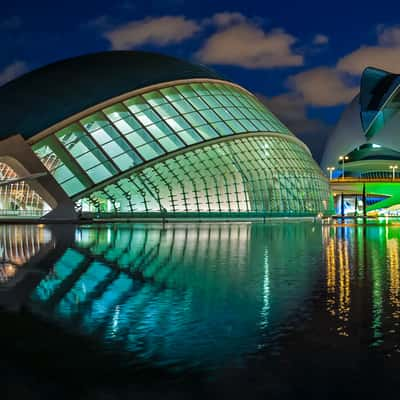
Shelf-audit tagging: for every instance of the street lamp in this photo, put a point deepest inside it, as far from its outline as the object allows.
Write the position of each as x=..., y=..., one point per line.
x=393, y=168
x=342, y=159
x=330, y=169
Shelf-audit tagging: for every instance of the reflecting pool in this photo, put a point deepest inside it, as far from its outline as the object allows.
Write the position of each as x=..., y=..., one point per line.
x=279, y=308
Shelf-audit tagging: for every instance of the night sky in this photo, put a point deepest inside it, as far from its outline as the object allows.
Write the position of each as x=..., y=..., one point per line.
x=302, y=58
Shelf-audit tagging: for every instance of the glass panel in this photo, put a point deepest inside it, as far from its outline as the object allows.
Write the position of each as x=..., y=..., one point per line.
x=127, y=125
x=127, y=160
x=166, y=111
x=136, y=104
x=207, y=132
x=147, y=117
x=171, y=94
x=154, y=98
x=183, y=106
x=116, y=112
x=94, y=122
x=101, y=172
x=171, y=143
x=159, y=130
x=105, y=134
x=190, y=136
x=150, y=151
x=177, y=124
x=139, y=137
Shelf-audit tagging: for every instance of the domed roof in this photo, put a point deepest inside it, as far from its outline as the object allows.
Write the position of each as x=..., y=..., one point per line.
x=43, y=97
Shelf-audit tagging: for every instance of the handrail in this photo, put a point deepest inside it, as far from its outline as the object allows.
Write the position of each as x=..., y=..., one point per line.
x=355, y=180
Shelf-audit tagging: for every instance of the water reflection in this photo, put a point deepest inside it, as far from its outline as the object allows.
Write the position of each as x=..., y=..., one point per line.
x=180, y=294
x=18, y=244
x=208, y=295
x=363, y=281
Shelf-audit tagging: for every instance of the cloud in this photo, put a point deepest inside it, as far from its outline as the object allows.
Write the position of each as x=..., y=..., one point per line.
x=11, y=23
x=160, y=31
x=292, y=111
x=322, y=87
x=389, y=36
x=242, y=42
x=12, y=71
x=385, y=55
x=387, y=58
x=225, y=19
x=320, y=39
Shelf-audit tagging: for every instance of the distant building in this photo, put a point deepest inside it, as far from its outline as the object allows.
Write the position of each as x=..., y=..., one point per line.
x=366, y=146
x=127, y=133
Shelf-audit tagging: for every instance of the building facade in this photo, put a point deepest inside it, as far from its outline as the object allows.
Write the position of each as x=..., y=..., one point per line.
x=129, y=133
x=364, y=149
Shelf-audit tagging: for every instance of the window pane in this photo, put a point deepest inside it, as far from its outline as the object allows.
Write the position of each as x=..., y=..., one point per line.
x=105, y=134
x=210, y=115
x=101, y=172
x=154, y=98
x=222, y=128
x=171, y=143
x=195, y=119
x=150, y=151
x=171, y=94
x=94, y=122
x=190, y=136
x=127, y=125
x=116, y=112
x=183, y=106
x=136, y=104
x=147, y=117
x=139, y=137
x=166, y=111
x=127, y=160
x=207, y=132
x=177, y=124
x=159, y=130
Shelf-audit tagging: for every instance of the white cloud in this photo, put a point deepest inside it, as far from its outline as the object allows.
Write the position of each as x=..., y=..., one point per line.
x=320, y=39
x=160, y=31
x=385, y=55
x=322, y=87
x=387, y=58
x=243, y=43
x=12, y=71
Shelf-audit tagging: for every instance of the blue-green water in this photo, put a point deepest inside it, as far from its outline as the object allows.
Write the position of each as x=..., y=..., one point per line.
x=282, y=308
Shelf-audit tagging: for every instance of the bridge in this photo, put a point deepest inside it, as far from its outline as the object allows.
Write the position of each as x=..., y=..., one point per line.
x=386, y=191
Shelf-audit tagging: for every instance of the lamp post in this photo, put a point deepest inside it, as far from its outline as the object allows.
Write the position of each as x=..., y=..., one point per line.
x=342, y=159
x=393, y=168
x=330, y=169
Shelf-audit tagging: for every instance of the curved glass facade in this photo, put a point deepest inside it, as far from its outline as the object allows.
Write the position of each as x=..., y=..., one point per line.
x=18, y=198
x=249, y=174
x=145, y=127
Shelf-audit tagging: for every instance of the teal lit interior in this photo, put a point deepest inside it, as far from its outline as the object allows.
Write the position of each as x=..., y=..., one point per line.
x=251, y=174
x=142, y=128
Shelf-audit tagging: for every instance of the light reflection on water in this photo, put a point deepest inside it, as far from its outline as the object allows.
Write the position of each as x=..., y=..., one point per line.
x=209, y=295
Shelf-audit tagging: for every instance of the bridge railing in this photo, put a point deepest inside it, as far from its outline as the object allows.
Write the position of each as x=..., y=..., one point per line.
x=362, y=180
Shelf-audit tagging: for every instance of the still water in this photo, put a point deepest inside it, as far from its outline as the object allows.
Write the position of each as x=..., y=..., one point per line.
x=284, y=309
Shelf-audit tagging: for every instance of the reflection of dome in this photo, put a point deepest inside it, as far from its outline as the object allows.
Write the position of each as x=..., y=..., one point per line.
x=367, y=133
x=185, y=294
x=128, y=132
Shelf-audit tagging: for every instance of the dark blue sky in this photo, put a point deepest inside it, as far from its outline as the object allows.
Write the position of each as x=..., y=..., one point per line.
x=303, y=58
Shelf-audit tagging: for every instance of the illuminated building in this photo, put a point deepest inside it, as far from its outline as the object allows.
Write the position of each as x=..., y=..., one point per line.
x=364, y=149
x=128, y=133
